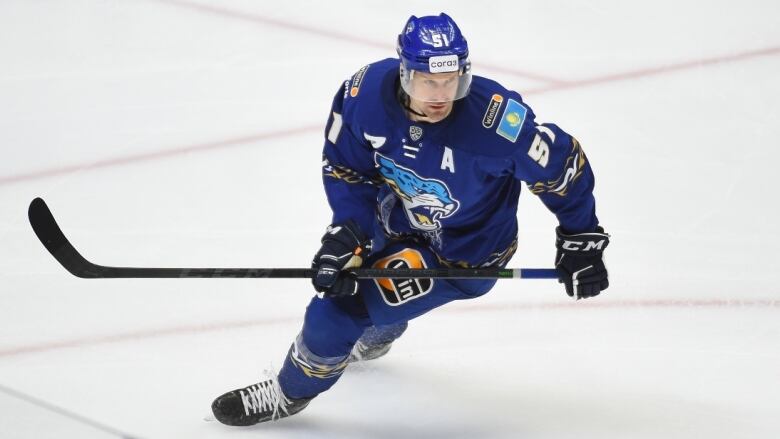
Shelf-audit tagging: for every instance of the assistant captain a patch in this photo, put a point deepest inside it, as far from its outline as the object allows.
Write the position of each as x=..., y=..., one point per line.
x=512, y=120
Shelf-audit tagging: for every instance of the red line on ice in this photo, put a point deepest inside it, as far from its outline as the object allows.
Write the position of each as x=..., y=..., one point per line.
x=658, y=70
x=633, y=74
x=567, y=305
x=141, y=335
x=154, y=155
x=384, y=45
x=555, y=85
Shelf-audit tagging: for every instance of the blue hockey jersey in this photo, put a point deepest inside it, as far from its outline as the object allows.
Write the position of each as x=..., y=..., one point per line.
x=453, y=185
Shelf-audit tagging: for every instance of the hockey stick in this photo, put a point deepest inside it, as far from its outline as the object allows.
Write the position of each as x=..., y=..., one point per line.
x=50, y=234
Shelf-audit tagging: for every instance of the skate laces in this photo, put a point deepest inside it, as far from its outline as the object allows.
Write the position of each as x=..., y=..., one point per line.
x=265, y=396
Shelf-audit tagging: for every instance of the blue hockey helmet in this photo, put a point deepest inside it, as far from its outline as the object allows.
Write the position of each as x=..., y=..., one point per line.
x=432, y=46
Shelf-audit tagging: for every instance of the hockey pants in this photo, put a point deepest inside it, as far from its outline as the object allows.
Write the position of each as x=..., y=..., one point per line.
x=378, y=313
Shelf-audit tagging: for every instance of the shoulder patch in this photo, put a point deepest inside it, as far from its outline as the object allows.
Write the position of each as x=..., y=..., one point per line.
x=492, y=111
x=512, y=120
x=357, y=78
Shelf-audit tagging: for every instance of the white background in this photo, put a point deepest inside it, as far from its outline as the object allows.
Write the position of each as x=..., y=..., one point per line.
x=178, y=133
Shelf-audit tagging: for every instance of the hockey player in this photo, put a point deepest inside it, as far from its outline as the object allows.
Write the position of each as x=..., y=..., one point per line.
x=423, y=166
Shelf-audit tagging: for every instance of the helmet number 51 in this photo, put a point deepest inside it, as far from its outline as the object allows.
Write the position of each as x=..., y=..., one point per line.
x=440, y=40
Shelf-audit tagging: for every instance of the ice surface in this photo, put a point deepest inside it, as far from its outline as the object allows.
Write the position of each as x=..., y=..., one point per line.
x=188, y=133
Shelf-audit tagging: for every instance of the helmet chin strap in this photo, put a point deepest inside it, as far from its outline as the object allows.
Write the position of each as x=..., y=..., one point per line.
x=404, y=99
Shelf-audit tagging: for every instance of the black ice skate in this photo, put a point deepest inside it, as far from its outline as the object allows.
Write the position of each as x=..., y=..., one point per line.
x=257, y=403
x=364, y=352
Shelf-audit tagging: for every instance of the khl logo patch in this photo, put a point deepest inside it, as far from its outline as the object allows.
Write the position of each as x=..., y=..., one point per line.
x=415, y=133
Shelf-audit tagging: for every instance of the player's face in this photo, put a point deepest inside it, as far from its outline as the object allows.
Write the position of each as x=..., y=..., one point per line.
x=434, y=93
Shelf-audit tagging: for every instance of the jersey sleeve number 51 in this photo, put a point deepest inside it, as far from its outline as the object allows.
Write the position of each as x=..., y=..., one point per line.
x=540, y=149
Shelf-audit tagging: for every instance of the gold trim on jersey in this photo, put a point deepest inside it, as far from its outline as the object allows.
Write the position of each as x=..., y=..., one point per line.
x=345, y=174
x=574, y=166
x=496, y=259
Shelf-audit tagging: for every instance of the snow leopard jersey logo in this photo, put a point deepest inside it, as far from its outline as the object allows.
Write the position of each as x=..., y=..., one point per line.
x=426, y=200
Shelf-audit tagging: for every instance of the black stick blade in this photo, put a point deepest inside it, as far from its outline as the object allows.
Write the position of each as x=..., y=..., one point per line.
x=51, y=236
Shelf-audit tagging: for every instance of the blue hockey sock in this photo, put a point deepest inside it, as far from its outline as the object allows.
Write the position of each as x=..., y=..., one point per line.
x=320, y=353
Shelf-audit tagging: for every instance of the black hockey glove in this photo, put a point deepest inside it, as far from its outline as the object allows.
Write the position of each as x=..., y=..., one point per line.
x=343, y=246
x=580, y=262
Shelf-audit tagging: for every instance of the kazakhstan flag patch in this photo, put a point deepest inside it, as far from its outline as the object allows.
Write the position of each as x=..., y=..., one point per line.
x=512, y=120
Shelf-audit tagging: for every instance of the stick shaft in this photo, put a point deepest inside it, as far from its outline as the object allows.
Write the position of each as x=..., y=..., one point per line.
x=52, y=237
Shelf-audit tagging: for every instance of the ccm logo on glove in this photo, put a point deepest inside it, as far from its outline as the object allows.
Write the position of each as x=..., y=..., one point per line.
x=580, y=262
x=589, y=245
